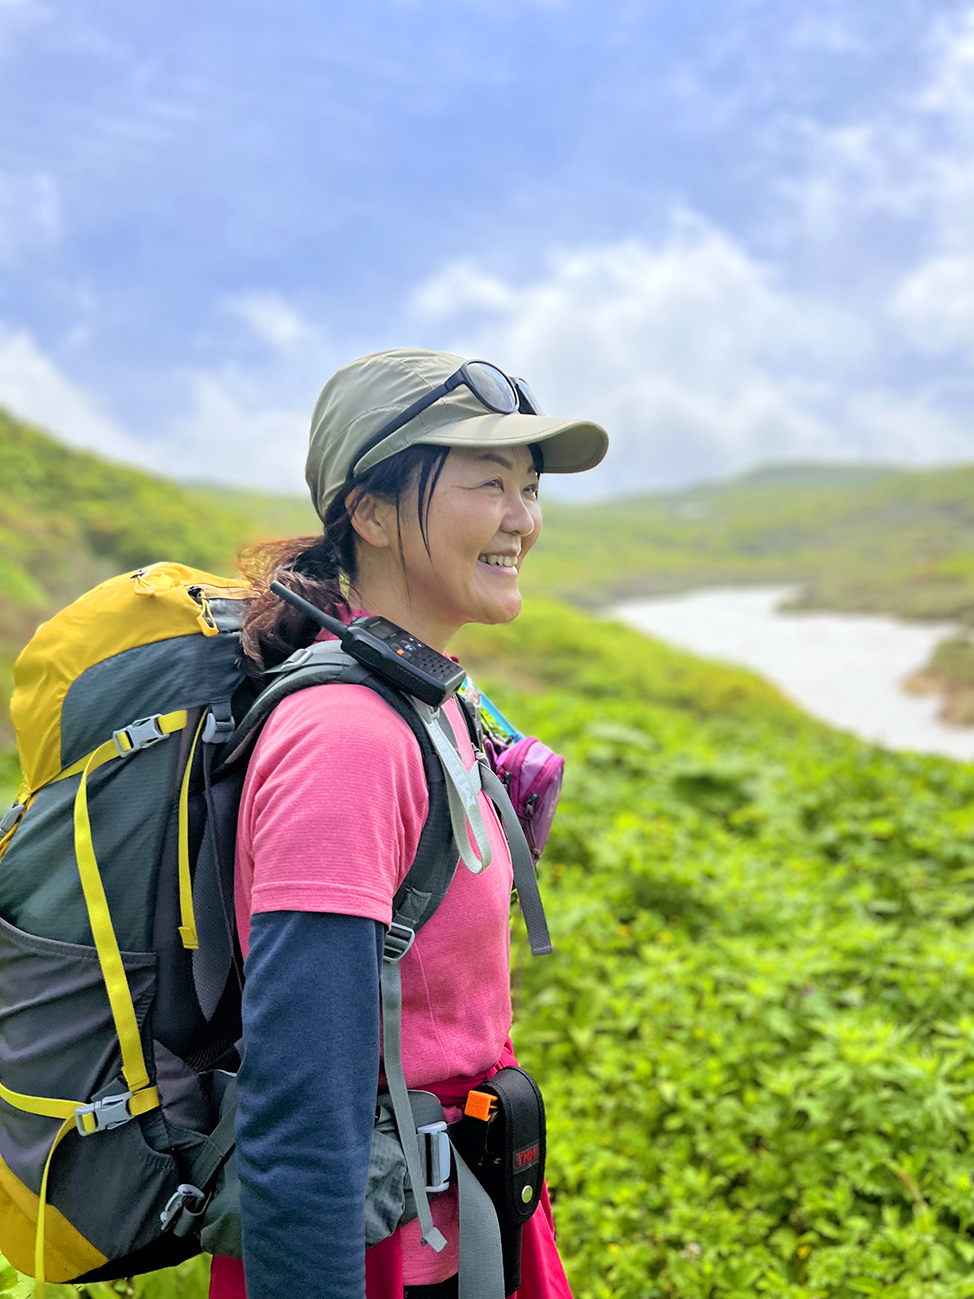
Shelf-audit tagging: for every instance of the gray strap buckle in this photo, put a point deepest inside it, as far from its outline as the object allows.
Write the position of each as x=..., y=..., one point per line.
x=109, y=1112
x=140, y=735
x=12, y=818
x=219, y=723
x=397, y=943
x=185, y=1197
x=434, y=1154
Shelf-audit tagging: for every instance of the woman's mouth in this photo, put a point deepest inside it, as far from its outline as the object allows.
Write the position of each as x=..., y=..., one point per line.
x=502, y=565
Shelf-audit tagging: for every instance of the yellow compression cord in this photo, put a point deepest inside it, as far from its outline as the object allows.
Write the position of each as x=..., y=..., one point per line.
x=187, y=929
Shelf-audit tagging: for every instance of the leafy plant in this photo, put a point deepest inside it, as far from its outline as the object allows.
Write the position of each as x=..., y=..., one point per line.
x=756, y=1034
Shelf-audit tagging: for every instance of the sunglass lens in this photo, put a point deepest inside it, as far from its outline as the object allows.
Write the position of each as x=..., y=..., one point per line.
x=492, y=387
x=529, y=403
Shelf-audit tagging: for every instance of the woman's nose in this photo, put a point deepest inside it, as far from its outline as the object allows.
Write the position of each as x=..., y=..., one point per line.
x=519, y=518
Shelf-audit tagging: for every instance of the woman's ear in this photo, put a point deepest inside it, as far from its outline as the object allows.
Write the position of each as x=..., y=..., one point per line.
x=370, y=519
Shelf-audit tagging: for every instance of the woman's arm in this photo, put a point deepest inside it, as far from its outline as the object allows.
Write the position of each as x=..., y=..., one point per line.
x=306, y=1102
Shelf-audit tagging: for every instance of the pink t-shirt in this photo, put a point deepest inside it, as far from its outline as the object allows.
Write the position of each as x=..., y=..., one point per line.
x=333, y=805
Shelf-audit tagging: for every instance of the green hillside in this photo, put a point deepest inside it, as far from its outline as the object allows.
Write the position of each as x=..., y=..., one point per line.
x=856, y=537
x=69, y=519
x=756, y=1033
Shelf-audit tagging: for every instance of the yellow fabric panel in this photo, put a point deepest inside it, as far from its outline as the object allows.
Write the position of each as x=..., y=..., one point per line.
x=119, y=614
x=67, y=1254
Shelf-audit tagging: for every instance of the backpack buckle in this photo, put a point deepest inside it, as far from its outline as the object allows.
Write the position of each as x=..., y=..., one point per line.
x=187, y=1197
x=219, y=723
x=101, y=1116
x=12, y=818
x=138, y=735
x=434, y=1155
x=398, y=941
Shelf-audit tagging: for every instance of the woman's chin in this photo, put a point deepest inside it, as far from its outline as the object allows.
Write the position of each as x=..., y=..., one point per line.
x=495, y=608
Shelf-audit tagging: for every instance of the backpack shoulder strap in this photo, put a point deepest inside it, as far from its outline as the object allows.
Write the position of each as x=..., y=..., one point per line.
x=434, y=865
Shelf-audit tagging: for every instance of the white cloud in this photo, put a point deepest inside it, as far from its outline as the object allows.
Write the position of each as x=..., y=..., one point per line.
x=936, y=303
x=272, y=319
x=690, y=352
x=249, y=425
x=233, y=431
x=33, y=386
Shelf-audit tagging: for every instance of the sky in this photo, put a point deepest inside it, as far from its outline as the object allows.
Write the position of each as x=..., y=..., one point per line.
x=732, y=231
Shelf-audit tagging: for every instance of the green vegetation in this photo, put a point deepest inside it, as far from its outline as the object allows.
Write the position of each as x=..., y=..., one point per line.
x=188, y=1281
x=855, y=538
x=69, y=519
x=756, y=1035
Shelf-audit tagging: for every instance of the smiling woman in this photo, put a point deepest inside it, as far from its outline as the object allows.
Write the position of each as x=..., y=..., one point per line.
x=424, y=470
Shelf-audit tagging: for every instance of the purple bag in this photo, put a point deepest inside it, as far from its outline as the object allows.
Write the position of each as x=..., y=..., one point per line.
x=532, y=774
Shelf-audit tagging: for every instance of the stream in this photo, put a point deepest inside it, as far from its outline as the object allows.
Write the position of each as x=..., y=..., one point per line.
x=846, y=669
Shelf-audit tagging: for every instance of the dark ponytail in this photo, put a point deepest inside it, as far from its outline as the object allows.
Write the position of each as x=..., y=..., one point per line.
x=322, y=568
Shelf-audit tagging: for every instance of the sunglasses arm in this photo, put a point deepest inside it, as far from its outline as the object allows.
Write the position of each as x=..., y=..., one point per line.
x=404, y=417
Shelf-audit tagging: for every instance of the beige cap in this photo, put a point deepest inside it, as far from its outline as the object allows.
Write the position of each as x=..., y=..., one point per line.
x=359, y=399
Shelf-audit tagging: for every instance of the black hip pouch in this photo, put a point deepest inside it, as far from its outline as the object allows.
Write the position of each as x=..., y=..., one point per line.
x=502, y=1140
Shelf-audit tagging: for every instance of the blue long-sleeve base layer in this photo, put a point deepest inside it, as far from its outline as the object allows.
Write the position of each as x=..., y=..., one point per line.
x=306, y=1102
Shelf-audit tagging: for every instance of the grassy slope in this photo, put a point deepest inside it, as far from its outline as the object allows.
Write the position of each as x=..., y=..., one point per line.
x=756, y=1035
x=757, y=1032
x=859, y=539
x=69, y=519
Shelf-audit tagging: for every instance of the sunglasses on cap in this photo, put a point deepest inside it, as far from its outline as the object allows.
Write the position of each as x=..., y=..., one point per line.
x=500, y=393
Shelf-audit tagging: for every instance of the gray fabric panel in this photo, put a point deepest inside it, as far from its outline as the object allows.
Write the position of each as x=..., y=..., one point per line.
x=57, y=1038
x=182, y=672
x=112, y=1186
x=130, y=802
x=183, y=1100
x=385, y=1200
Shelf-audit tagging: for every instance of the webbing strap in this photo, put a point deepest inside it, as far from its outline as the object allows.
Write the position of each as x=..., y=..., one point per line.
x=166, y=723
x=51, y=1107
x=391, y=985
x=39, y=1239
x=522, y=863
x=481, y=1274
x=463, y=790
x=187, y=928
x=113, y=971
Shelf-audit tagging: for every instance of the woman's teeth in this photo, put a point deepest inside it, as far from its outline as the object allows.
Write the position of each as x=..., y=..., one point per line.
x=498, y=561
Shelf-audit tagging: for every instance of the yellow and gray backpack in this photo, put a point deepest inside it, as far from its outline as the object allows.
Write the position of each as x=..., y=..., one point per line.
x=120, y=975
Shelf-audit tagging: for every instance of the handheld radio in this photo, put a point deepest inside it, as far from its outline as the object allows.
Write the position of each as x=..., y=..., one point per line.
x=389, y=651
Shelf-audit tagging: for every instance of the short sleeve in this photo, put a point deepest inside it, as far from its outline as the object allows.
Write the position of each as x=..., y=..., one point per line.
x=333, y=806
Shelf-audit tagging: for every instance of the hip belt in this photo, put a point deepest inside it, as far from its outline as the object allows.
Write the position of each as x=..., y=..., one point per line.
x=496, y=1156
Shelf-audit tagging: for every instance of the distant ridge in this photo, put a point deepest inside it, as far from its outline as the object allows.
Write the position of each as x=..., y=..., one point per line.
x=814, y=475
x=854, y=536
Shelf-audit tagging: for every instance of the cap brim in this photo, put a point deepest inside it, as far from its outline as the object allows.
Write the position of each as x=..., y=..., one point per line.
x=570, y=445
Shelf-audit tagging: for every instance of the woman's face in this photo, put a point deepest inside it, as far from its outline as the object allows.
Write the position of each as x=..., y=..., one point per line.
x=483, y=519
